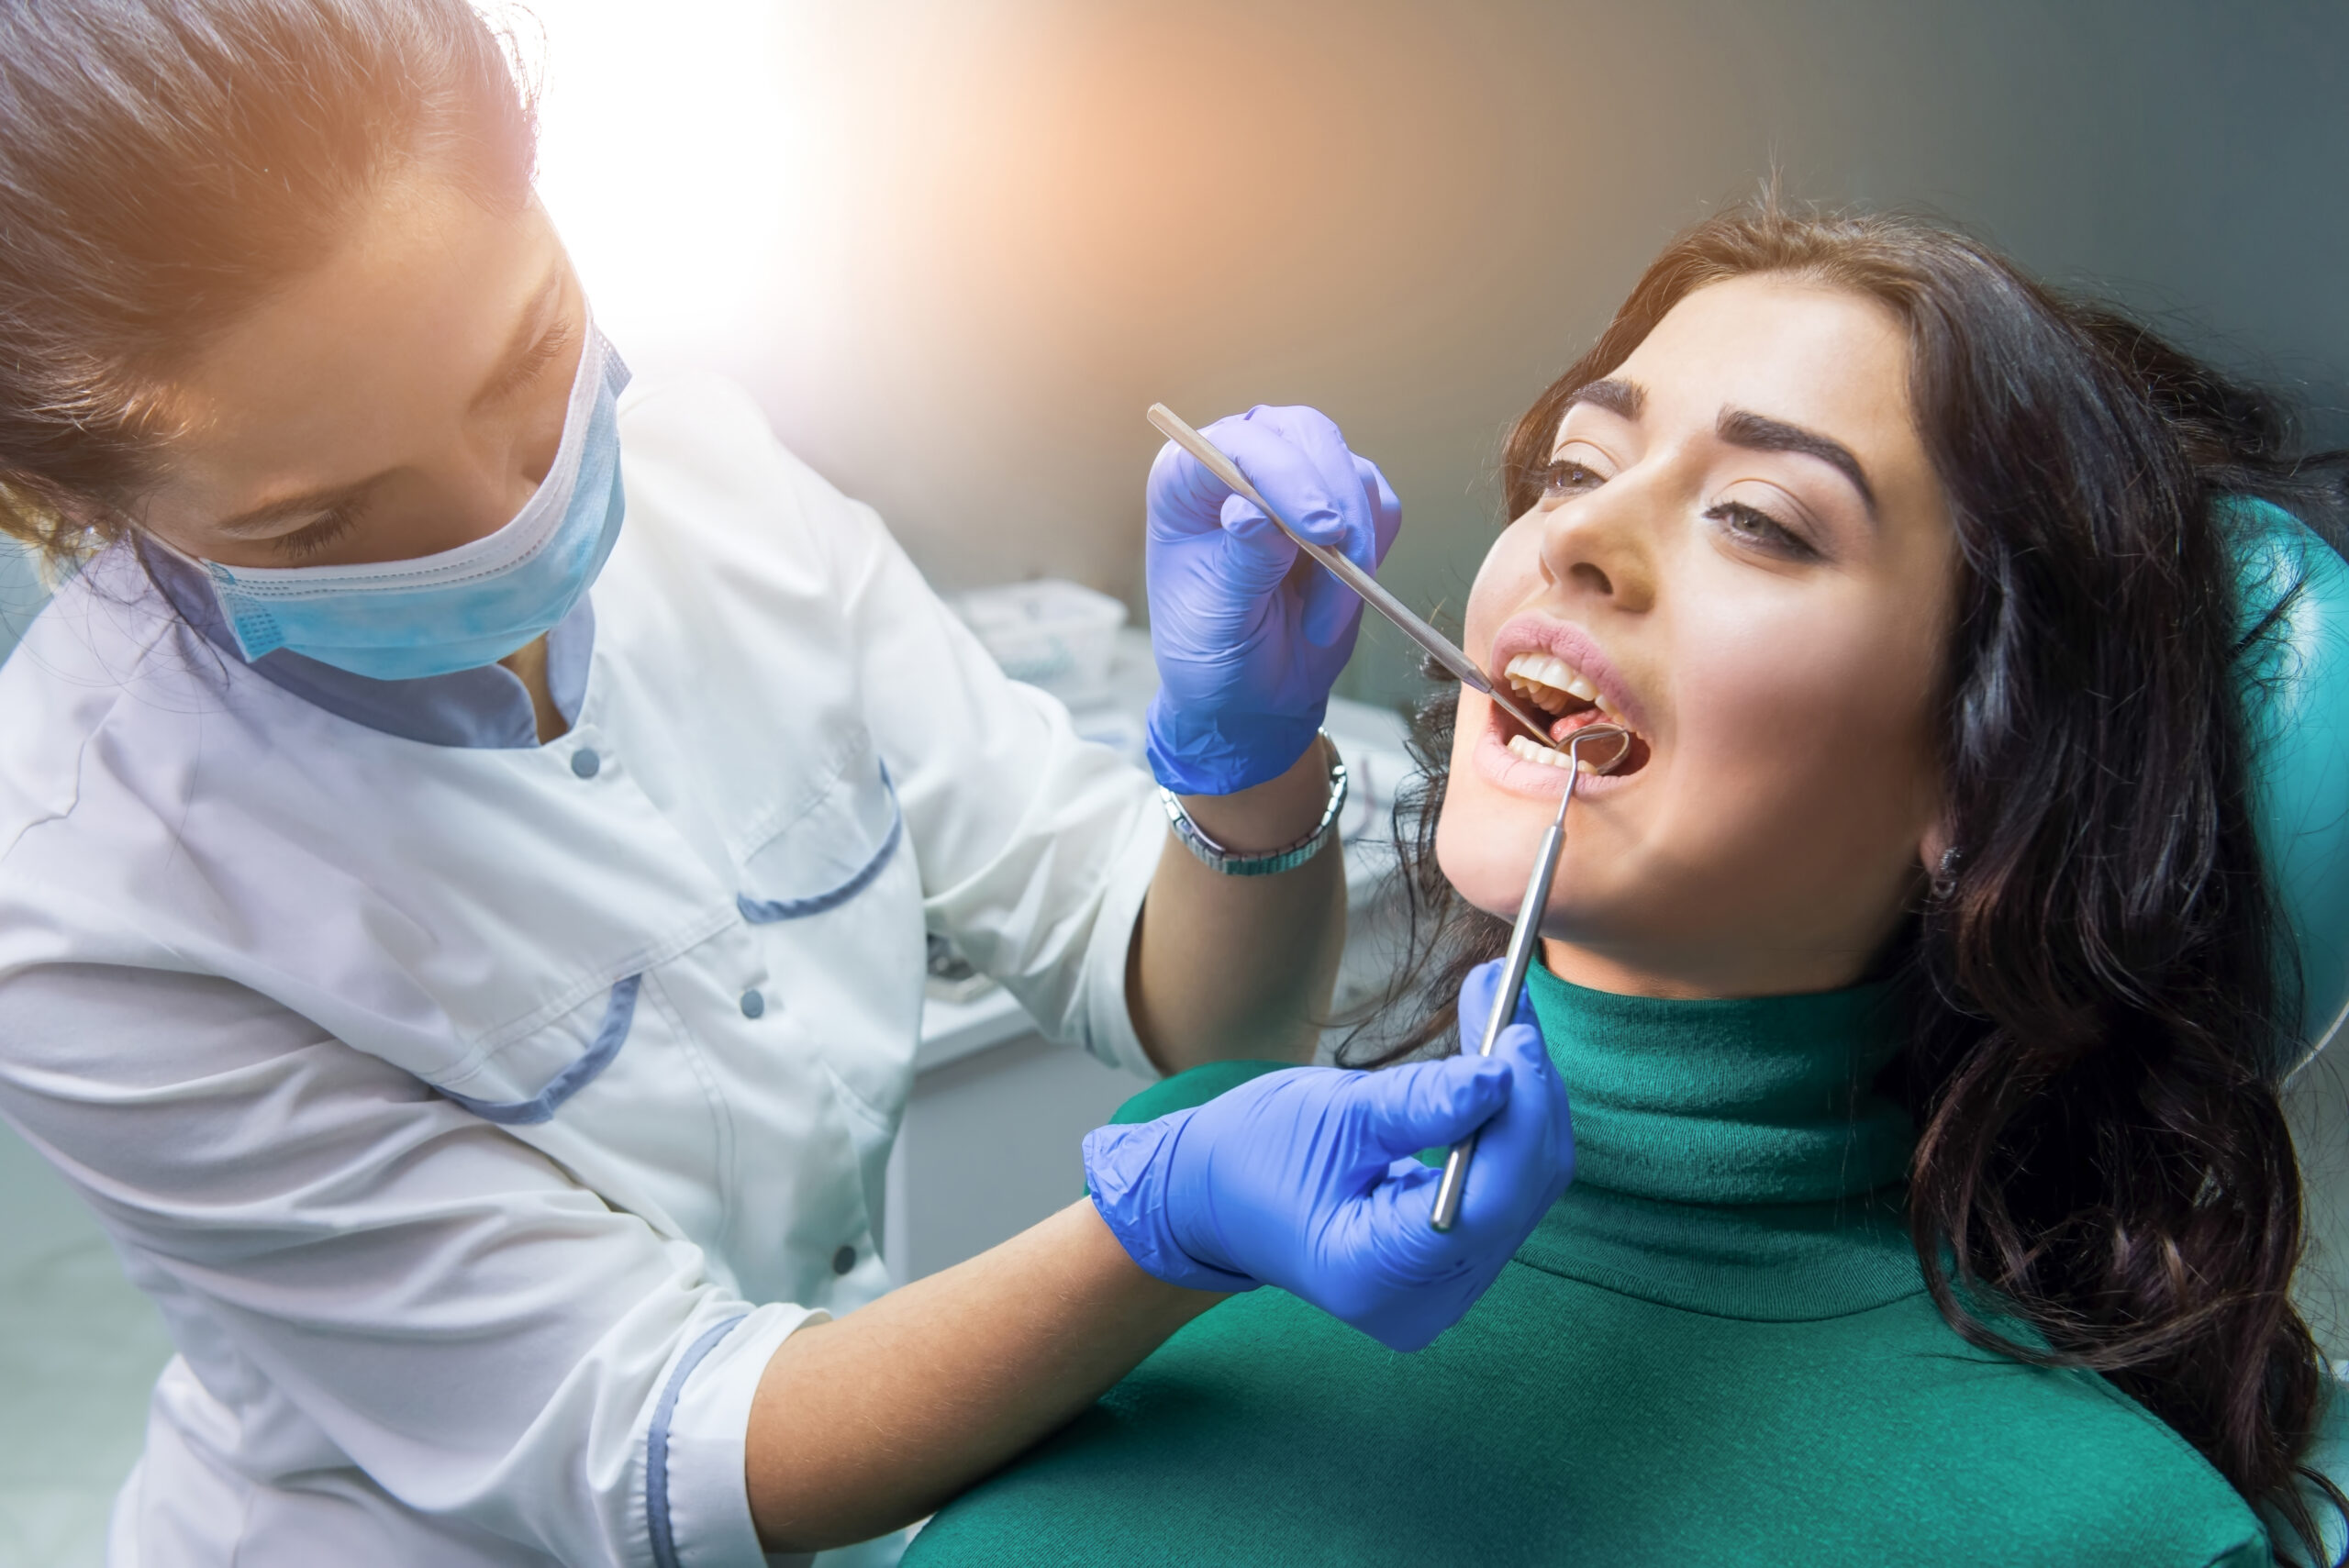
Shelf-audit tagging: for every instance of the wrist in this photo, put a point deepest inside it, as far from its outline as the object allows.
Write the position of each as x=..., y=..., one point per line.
x=1114, y=1276
x=1272, y=815
x=1128, y=1171
x=1224, y=753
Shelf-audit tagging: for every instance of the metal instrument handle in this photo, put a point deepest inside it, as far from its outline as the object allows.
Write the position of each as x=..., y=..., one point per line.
x=1521, y=939
x=1441, y=647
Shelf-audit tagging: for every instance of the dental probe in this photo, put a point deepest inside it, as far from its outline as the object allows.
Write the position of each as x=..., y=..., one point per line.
x=1521, y=938
x=1353, y=577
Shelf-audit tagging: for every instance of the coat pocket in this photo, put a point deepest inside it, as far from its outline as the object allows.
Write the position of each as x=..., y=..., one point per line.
x=525, y=1083
x=830, y=853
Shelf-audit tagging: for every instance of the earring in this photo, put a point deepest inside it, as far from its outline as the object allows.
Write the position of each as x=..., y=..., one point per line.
x=1944, y=877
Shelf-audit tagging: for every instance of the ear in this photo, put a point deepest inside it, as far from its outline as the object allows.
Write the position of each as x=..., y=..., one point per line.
x=1937, y=836
x=1937, y=849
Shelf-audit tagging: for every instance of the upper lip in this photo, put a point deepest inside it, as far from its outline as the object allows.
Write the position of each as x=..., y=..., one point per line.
x=1535, y=632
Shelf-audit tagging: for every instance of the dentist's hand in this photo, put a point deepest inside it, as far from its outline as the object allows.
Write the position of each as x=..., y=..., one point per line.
x=1248, y=636
x=1304, y=1179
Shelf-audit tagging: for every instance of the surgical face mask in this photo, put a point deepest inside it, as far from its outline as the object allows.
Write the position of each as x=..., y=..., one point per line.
x=402, y=620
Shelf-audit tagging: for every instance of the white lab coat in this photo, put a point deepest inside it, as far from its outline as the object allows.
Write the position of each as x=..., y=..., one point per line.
x=482, y=1117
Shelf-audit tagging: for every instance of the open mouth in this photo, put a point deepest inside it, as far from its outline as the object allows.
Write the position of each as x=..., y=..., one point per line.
x=1551, y=685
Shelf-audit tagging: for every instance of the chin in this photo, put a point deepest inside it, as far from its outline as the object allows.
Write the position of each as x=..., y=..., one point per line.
x=1485, y=841
x=1495, y=810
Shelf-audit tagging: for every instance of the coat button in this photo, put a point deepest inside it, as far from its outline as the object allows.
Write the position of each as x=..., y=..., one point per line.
x=844, y=1260
x=585, y=764
x=753, y=1004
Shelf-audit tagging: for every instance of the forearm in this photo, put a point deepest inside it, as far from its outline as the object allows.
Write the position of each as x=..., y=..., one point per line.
x=865, y=1424
x=1241, y=966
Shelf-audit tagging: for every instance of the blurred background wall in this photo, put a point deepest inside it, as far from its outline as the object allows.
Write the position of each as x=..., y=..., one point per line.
x=956, y=247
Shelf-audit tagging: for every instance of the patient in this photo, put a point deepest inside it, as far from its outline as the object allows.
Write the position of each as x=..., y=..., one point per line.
x=1911, y=980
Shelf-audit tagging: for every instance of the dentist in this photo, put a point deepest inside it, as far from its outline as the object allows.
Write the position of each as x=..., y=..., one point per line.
x=468, y=826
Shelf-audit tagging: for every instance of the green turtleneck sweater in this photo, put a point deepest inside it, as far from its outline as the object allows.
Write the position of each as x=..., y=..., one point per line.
x=1716, y=1349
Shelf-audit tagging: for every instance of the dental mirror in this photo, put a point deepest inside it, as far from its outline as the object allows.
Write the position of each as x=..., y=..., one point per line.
x=1611, y=744
x=1611, y=748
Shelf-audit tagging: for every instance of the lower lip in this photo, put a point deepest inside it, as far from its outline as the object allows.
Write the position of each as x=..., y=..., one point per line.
x=1504, y=768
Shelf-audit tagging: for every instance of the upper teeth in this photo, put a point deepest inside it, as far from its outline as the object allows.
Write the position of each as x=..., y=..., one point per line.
x=1547, y=680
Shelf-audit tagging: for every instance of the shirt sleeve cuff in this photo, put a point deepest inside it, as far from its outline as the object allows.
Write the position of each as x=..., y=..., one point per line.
x=697, y=1500
x=1109, y=1022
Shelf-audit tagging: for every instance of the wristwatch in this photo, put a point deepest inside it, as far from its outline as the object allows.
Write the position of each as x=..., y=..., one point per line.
x=1273, y=861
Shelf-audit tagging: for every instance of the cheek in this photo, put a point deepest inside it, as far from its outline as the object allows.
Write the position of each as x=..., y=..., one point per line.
x=1487, y=836
x=1815, y=744
x=1468, y=851
x=1508, y=578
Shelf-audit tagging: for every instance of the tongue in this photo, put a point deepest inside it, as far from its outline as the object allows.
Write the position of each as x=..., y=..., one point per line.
x=1581, y=718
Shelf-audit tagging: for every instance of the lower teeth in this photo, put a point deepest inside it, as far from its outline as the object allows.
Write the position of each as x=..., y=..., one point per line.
x=1533, y=751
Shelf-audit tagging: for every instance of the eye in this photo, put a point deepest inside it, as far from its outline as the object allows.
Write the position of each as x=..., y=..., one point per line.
x=1566, y=477
x=1757, y=529
x=531, y=366
x=311, y=538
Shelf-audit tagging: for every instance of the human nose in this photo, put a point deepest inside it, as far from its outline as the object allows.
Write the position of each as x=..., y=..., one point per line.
x=1602, y=545
x=493, y=471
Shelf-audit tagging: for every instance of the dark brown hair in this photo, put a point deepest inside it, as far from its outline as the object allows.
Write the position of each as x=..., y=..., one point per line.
x=165, y=165
x=2091, y=978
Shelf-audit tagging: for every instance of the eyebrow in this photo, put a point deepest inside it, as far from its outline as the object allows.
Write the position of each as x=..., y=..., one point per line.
x=1621, y=397
x=528, y=330
x=1759, y=432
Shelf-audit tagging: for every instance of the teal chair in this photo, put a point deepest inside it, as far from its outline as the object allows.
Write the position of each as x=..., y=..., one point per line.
x=2295, y=678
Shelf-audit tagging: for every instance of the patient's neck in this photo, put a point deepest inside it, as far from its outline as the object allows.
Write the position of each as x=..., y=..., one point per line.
x=1735, y=1101
x=1693, y=972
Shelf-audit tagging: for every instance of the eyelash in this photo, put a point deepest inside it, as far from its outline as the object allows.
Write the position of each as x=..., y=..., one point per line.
x=314, y=536
x=1757, y=527
x=1556, y=482
x=542, y=354
x=1762, y=530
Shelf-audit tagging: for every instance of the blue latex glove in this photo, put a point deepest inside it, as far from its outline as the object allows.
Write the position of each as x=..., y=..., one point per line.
x=1306, y=1179
x=1249, y=637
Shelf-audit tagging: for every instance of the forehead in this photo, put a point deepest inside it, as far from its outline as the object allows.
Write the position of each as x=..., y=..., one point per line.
x=423, y=294
x=1808, y=353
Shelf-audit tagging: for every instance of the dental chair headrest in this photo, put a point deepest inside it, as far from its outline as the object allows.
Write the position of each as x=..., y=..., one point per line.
x=2295, y=677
